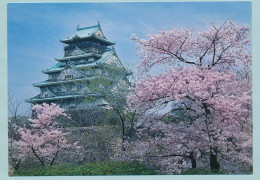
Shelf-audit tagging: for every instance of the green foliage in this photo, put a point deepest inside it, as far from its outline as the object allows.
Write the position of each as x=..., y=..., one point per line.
x=89, y=117
x=90, y=99
x=177, y=116
x=168, y=119
x=110, y=118
x=103, y=168
x=202, y=171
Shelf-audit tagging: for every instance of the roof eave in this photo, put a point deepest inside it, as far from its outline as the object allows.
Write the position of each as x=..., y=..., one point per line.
x=79, y=56
x=49, y=72
x=66, y=81
x=32, y=100
x=50, y=99
x=68, y=41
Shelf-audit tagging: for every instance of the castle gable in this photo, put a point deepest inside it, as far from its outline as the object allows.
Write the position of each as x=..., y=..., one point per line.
x=114, y=61
x=69, y=73
x=99, y=33
x=76, y=51
x=47, y=93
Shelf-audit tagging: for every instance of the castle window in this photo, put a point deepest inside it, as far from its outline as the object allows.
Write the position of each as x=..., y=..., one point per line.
x=68, y=76
x=91, y=59
x=82, y=61
x=46, y=95
x=54, y=76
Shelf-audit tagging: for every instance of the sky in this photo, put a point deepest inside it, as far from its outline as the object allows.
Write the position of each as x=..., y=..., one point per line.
x=34, y=31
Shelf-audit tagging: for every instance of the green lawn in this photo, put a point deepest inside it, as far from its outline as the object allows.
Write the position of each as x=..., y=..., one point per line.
x=103, y=168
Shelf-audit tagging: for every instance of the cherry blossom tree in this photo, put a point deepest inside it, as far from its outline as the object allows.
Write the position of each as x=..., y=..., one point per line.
x=14, y=154
x=210, y=78
x=44, y=140
x=172, y=146
x=225, y=45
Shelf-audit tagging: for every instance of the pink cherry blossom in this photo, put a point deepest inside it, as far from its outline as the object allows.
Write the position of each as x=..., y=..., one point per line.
x=44, y=140
x=208, y=76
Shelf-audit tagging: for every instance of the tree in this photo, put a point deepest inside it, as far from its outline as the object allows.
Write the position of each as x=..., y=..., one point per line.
x=44, y=140
x=113, y=86
x=13, y=105
x=15, y=120
x=14, y=154
x=225, y=46
x=16, y=115
x=172, y=146
x=206, y=82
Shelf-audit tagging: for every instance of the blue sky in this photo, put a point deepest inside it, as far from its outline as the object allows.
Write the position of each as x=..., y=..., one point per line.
x=34, y=31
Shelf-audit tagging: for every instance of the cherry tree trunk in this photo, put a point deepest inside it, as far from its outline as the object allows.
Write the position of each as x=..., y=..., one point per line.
x=214, y=164
x=193, y=162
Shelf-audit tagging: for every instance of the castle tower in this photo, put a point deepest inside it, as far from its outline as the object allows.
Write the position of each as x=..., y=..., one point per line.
x=86, y=53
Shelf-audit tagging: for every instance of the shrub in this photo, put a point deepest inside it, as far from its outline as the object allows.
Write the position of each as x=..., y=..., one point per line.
x=103, y=168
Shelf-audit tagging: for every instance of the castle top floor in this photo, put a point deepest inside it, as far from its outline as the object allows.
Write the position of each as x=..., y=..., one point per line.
x=86, y=35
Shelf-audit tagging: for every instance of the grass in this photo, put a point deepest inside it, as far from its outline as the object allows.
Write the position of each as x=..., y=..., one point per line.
x=103, y=168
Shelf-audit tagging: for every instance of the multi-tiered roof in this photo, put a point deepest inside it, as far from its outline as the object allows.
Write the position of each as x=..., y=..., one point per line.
x=84, y=54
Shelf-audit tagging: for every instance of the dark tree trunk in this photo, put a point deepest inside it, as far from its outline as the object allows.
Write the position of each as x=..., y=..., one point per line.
x=16, y=167
x=190, y=156
x=193, y=162
x=40, y=159
x=53, y=159
x=214, y=165
x=122, y=121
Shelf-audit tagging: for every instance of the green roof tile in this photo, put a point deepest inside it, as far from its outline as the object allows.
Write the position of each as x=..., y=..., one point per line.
x=78, y=56
x=87, y=32
x=105, y=56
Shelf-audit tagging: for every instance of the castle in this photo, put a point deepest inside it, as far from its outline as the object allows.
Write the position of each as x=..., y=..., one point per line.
x=88, y=57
